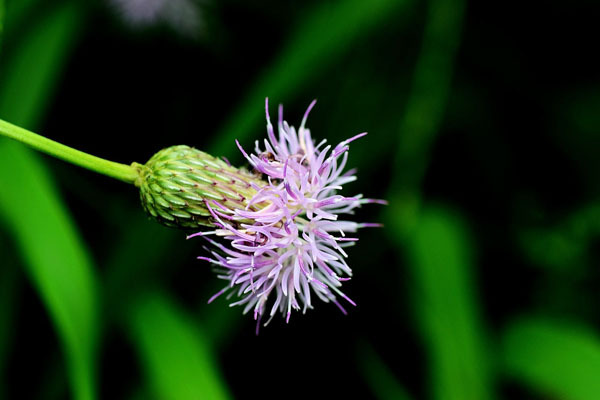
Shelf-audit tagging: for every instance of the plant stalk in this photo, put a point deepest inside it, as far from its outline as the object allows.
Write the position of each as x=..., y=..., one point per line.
x=122, y=172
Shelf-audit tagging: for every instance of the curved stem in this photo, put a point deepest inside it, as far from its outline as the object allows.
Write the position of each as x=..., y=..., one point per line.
x=125, y=173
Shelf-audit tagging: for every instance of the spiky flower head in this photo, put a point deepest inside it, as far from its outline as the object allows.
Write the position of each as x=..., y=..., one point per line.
x=286, y=246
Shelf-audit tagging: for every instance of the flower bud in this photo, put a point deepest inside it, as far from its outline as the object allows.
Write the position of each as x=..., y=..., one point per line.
x=177, y=182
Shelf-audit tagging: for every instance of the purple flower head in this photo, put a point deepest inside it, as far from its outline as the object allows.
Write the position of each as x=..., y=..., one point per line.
x=184, y=16
x=286, y=247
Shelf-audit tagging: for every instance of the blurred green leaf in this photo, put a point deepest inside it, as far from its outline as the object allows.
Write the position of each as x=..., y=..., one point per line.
x=139, y=394
x=219, y=322
x=128, y=269
x=440, y=256
x=8, y=281
x=558, y=359
x=318, y=42
x=30, y=72
x=54, y=384
x=436, y=242
x=9, y=291
x=431, y=82
x=55, y=257
x=425, y=107
x=574, y=123
x=553, y=249
x=16, y=10
x=567, y=245
x=378, y=376
x=1, y=19
x=175, y=354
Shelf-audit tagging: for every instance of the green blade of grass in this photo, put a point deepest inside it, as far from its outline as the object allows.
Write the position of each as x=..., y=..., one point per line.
x=129, y=273
x=557, y=359
x=129, y=270
x=29, y=74
x=1, y=19
x=175, y=354
x=440, y=255
x=55, y=257
x=30, y=207
x=431, y=81
x=320, y=40
x=8, y=281
x=425, y=108
x=16, y=10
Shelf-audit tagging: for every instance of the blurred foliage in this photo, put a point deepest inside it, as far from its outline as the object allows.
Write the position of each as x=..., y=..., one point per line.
x=425, y=108
x=17, y=12
x=58, y=265
x=447, y=308
x=57, y=261
x=31, y=73
x=9, y=291
x=1, y=17
x=175, y=352
x=558, y=359
x=567, y=245
x=318, y=41
x=497, y=126
x=383, y=383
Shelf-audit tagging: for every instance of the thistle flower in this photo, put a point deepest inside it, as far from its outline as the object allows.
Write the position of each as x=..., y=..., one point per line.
x=286, y=246
x=281, y=239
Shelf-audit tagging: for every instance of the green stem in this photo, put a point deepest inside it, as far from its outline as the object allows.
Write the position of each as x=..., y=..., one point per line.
x=122, y=172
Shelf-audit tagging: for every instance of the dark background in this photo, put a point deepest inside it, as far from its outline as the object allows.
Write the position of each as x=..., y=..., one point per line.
x=484, y=136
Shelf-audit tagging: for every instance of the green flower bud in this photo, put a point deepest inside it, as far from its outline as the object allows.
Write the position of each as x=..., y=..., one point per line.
x=176, y=183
